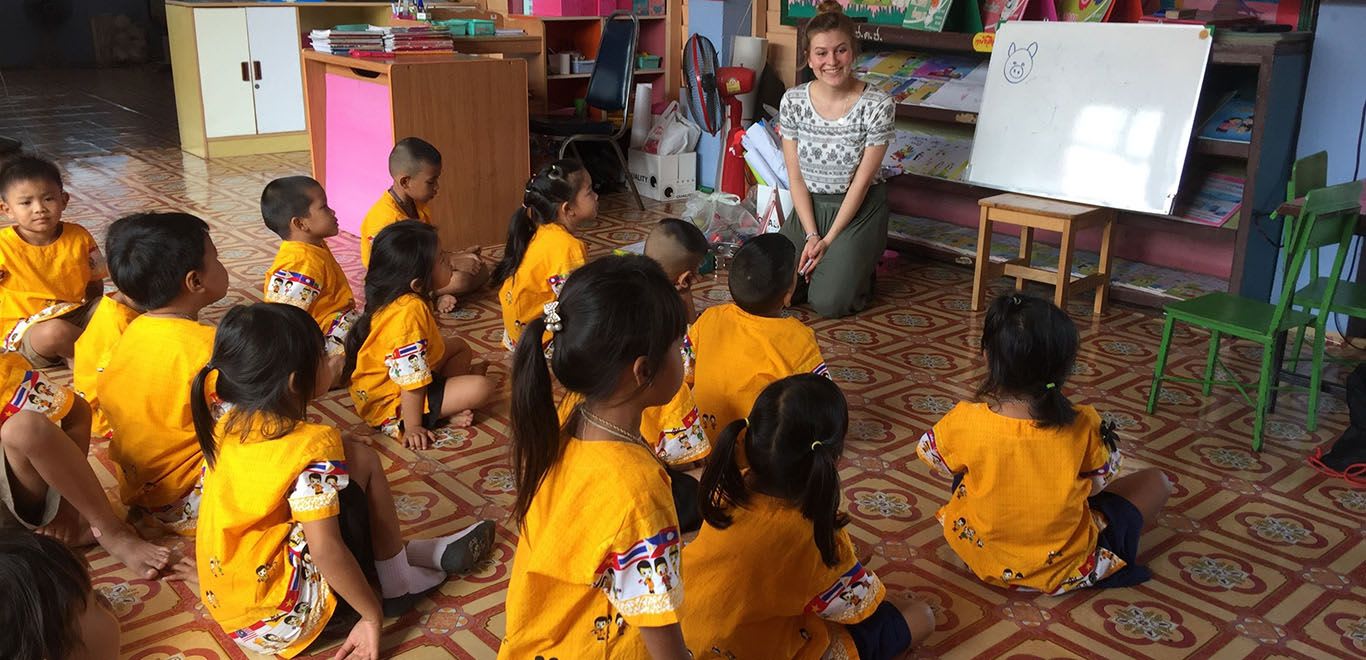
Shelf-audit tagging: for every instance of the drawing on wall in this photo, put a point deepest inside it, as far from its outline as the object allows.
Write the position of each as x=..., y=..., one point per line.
x=1020, y=61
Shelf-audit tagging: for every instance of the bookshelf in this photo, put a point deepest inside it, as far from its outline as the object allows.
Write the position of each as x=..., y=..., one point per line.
x=1239, y=256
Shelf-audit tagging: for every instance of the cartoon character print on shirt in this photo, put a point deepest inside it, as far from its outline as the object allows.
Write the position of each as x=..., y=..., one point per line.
x=556, y=283
x=647, y=575
x=408, y=364
x=37, y=394
x=850, y=598
x=685, y=442
x=335, y=337
x=293, y=288
x=602, y=628
x=632, y=582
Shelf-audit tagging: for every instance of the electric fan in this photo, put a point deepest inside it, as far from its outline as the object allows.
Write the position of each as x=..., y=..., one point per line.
x=699, y=77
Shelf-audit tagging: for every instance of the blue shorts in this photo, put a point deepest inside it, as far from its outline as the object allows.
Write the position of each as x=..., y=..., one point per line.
x=1124, y=524
x=885, y=634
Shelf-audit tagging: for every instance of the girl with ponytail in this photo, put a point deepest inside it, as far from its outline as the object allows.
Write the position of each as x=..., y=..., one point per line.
x=1036, y=504
x=294, y=516
x=541, y=249
x=773, y=574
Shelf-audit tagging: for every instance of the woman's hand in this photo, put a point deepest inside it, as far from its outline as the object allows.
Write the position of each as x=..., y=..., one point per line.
x=811, y=257
x=362, y=643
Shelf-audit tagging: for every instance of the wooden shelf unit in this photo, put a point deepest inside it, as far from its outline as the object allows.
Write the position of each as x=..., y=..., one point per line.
x=1275, y=65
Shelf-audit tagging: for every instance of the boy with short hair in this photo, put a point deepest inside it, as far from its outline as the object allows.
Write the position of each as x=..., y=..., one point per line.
x=415, y=166
x=735, y=350
x=304, y=273
x=167, y=264
x=51, y=272
x=675, y=428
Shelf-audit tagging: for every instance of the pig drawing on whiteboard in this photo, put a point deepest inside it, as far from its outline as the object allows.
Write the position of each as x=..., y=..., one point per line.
x=1020, y=61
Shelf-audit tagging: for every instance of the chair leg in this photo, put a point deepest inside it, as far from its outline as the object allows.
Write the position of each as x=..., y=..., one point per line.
x=1263, y=389
x=1026, y=252
x=1299, y=347
x=626, y=171
x=982, y=269
x=1316, y=374
x=1161, y=363
x=1210, y=360
x=1276, y=372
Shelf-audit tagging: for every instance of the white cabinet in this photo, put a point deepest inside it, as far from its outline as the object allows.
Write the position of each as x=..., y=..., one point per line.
x=249, y=71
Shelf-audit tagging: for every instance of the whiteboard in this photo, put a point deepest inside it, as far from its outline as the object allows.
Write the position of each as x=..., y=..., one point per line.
x=1095, y=113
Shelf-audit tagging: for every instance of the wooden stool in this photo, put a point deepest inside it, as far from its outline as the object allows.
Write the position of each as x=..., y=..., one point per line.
x=1031, y=213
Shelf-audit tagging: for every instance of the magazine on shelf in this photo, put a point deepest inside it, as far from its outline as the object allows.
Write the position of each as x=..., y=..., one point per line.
x=1231, y=121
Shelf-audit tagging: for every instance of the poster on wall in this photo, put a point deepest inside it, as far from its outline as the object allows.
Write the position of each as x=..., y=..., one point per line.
x=927, y=15
x=878, y=12
x=1085, y=11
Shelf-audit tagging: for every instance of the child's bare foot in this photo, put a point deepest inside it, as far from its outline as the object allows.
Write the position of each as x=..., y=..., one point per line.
x=445, y=303
x=69, y=527
x=145, y=558
x=185, y=570
x=463, y=419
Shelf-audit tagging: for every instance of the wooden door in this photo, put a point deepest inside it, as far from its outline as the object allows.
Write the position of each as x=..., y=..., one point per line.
x=225, y=72
x=273, y=37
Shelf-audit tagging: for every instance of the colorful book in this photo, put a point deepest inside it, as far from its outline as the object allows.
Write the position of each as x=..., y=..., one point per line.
x=929, y=15
x=1232, y=121
x=1215, y=202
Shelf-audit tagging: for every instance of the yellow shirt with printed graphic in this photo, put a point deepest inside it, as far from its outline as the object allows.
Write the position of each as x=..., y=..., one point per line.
x=41, y=282
x=26, y=388
x=1019, y=518
x=146, y=384
x=307, y=276
x=732, y=355
x=254, y=566
x=759, y=589
x=404, y=345
x=551, y=256
x=107, y=324
x=597, y=559
x=385, y=212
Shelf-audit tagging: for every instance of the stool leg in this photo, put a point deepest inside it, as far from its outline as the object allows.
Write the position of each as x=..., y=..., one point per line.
x=979, y=286
x=1103, y=291
x=1026, y=252
x=1064, y=269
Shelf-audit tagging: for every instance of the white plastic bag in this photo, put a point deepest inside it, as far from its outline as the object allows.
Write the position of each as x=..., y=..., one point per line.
x=672, y=133
x=722, y=217
x=771, y=206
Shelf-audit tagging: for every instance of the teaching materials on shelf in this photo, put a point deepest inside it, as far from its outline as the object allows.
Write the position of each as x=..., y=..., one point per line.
x=929, y=15
x=345, y=39
x=1085, y=11
x=1057, y=121
x=1231, y=121
x=928, y=149
x=1216, y=201
x=953, y=82
x=417, y=40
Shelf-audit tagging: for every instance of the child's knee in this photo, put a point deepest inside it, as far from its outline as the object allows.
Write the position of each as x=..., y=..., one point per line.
x=25, y=432
x=361, y=459
x=1155, y=481
x=919, y=618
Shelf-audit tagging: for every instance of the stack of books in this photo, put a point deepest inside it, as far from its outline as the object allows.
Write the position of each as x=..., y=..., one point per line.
x=423, y=39
x=346, y=39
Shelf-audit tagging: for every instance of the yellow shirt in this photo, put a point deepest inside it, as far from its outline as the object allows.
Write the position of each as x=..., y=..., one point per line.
x=732, y=355
x=44, y=281
x=307, y=276
x=404, y=346
x=758, y=589
x=597, y=559
x=385, y=212
x=551, y=256
x=106, y=326
x=254, y=565
x=26, y=388
x=146, y=385
x=1019, y=518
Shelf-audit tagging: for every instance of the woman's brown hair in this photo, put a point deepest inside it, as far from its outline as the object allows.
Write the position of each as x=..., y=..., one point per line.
x=830, y=16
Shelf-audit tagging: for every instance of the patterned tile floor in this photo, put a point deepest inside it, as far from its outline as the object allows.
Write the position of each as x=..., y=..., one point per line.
x=1256, y=556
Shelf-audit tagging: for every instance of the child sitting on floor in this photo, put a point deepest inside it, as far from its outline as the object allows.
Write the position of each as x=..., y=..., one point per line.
x=735, y=350
x=56, y=613
x=293, y=511
x=415, y=166
x=773, y=573
x=110, y=319
x=541, y=249
x=304, y=273
x=51, y=272
x=45, y=480
x=167, y=265
x=596, y=569
x=405, y=376
x=1035, y=503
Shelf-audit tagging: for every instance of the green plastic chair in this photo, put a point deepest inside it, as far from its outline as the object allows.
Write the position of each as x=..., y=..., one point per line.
x=1308, y=173
x=1329, y=217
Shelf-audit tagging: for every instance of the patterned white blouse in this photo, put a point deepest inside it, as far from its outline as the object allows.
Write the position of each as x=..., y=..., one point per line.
x=829, y=151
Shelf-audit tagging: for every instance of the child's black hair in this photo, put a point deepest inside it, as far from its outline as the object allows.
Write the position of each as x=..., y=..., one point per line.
x=266, y=356
x=284, y=199
x=151, y=253
x=410, y=154
x=612, y=311
x=45, y=592
x=555, y=185
x=1030, y=346
x=761, y=272
x=27, y=167
x=402, y=252
x=686, y=235
x=793, y=439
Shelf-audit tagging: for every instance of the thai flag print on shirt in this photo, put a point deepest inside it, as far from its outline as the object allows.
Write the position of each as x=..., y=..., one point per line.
x=408, y=365
x=645, y=578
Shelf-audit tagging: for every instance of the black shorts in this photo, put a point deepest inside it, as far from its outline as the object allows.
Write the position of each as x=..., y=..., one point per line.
x=436, y=395
x=1124, y=524
x=885, y=634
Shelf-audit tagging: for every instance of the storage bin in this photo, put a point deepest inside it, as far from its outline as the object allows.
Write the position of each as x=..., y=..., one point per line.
x=583, y=66
x=647, y=62
x=479, y=26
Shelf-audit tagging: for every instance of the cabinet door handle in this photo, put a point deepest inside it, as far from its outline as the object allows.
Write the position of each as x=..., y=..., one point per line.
x=256, y=66
x=246, y=75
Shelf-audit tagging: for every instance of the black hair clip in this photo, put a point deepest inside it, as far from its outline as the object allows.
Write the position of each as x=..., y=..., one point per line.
x=1109, y=435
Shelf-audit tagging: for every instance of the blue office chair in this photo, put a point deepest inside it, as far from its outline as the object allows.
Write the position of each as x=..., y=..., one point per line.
x=609, y=90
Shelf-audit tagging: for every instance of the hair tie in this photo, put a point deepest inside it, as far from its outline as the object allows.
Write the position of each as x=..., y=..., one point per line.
x=816, y=444
x=553, y=323
x=1049, y=386
x=209, y=366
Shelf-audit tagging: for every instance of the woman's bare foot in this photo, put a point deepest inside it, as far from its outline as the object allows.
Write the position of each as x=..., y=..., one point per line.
x=145, y=558
x=69, y=527
x=463, y=419
x=445, y=303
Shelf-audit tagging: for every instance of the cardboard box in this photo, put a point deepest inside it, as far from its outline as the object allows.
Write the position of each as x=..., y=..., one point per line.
x=663, y=178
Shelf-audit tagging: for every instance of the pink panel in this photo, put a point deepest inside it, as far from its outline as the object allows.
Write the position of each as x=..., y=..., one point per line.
x=360, y=134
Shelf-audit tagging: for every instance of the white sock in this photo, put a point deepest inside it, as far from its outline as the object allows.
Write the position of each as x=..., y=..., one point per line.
x=397, y=577
x=427, y=552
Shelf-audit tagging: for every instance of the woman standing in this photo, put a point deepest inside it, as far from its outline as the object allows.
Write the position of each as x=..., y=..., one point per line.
x=835, y=132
